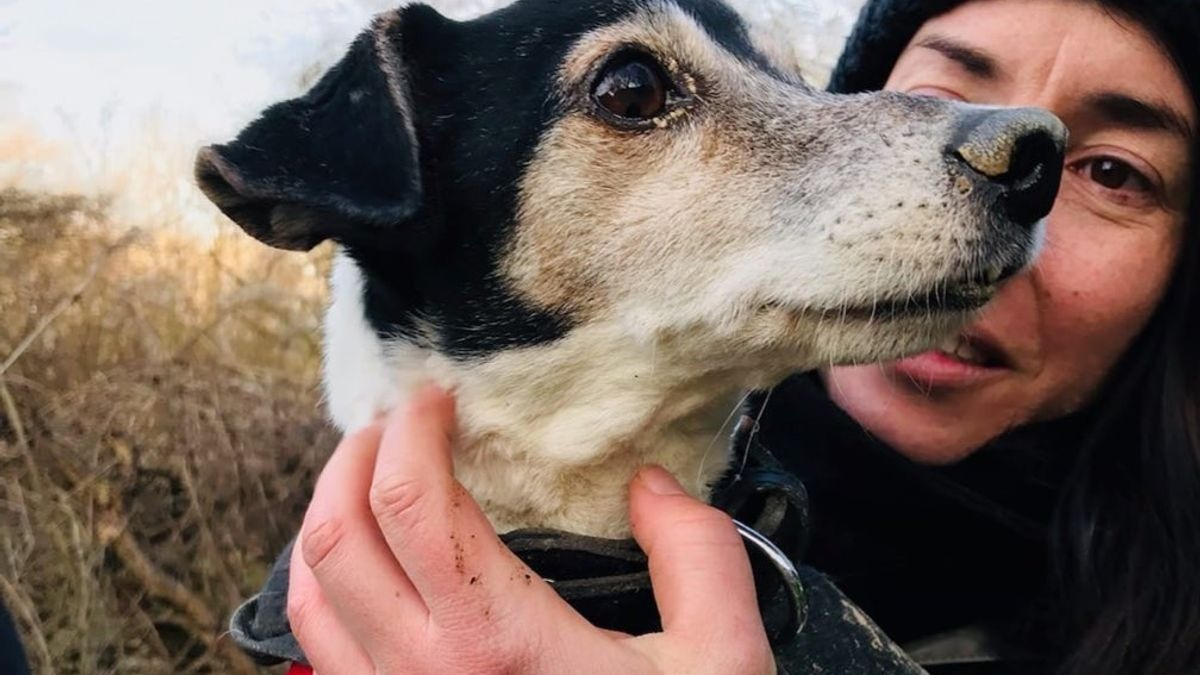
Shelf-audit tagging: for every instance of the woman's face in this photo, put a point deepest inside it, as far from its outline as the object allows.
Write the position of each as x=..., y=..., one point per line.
x=1042, y=348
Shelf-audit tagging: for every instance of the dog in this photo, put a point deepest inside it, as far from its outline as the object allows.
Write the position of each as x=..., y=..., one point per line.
x=599, y=222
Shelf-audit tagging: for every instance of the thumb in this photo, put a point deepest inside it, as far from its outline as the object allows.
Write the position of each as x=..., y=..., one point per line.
x=698, y=565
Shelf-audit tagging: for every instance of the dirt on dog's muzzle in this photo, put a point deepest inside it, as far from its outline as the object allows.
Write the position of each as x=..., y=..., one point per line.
x=1019, y=151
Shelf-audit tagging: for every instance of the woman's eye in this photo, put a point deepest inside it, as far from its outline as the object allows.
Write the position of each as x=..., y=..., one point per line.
x=635, y=89
x=1117, y=175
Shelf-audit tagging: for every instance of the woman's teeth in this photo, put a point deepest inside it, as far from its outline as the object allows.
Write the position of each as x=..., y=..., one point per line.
x=962, y=349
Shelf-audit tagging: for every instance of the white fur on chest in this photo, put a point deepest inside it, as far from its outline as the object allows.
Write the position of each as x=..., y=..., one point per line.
x=549, y=436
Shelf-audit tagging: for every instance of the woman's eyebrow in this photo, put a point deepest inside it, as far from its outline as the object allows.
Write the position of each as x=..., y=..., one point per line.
x=1134, y=113
x=972, y=59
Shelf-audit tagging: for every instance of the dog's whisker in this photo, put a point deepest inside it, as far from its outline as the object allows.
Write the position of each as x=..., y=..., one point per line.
x=720, y=432
x=754, y=432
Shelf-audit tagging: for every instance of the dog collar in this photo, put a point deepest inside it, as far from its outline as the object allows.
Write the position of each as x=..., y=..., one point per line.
x=608, y=581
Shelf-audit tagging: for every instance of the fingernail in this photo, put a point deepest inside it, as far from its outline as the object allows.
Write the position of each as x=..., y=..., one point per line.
x=659, y=481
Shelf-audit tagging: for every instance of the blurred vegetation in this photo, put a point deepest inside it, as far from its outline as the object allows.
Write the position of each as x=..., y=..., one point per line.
x=160, y=429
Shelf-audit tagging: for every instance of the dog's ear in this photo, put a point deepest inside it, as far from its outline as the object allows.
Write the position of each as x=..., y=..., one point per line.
x=335, y=163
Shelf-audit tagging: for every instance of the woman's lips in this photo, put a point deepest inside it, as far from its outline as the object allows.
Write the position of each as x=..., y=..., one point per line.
x=963, y=361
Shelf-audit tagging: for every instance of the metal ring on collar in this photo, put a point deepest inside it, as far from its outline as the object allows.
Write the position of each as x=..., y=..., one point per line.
x=797, y=597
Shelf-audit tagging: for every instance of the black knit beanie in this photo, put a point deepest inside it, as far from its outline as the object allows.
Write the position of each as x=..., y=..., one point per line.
x=885, y=28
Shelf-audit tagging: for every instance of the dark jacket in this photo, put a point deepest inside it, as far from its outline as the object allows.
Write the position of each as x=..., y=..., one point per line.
x=951, y=562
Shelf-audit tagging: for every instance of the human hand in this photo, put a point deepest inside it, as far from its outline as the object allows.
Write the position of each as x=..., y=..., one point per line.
x=398, y=572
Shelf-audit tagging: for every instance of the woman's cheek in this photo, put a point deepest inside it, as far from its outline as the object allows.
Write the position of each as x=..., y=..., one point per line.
x=1099, y=284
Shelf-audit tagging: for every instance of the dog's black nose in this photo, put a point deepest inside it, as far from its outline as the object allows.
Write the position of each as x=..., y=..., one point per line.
x=1020, y=150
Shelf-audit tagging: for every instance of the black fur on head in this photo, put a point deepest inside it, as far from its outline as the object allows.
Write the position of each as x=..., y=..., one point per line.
x=409, y=153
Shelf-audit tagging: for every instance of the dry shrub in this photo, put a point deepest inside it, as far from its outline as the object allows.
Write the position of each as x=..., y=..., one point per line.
x=159, y=433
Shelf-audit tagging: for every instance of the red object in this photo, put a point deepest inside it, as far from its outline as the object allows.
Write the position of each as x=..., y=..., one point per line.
x=298, y=669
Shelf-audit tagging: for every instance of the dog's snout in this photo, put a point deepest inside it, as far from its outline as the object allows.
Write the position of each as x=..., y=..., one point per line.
x=1020, y=150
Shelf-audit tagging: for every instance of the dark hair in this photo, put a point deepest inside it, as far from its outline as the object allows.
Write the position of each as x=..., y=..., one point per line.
x=1126, y=537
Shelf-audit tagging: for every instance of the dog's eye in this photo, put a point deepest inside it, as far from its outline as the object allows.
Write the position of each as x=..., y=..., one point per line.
x=633, y=89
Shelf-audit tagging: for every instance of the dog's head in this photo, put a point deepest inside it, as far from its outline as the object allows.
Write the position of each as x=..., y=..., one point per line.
x=505, y=181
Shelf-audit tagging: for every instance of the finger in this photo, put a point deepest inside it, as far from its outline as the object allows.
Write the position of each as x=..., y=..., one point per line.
x=340, y=542
x=329, y=646
x=443, y=541
x=698, y=565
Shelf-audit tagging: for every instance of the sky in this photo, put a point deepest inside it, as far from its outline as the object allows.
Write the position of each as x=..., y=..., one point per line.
x=92, y=90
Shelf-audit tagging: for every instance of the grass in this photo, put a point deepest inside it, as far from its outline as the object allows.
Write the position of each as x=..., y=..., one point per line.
x=160, y=430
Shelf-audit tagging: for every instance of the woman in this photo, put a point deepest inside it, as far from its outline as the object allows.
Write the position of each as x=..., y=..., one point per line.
x=1025, y=500
x=1093, y=353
